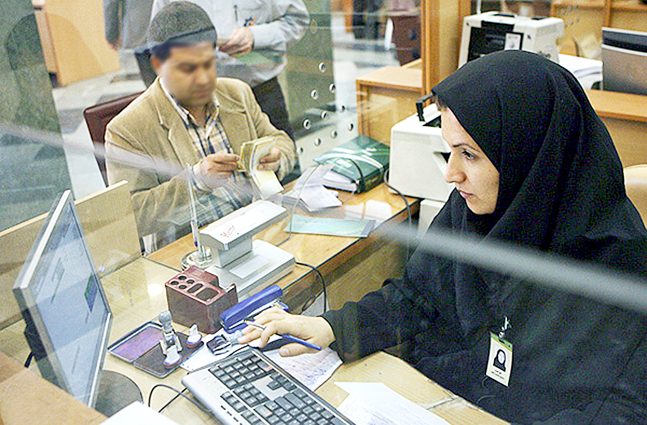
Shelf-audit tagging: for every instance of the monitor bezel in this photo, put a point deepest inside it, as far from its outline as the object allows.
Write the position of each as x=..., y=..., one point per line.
x=22, y=290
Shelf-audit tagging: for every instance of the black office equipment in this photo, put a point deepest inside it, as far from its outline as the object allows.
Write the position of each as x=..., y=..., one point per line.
x=248, y=388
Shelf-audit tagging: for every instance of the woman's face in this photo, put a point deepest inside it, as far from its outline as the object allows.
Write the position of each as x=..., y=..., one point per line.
x=476, y=178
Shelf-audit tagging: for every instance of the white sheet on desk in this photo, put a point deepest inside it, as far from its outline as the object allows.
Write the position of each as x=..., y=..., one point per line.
x=371, y=403
x=137, y=413
x=312, y=369
x=314, y=195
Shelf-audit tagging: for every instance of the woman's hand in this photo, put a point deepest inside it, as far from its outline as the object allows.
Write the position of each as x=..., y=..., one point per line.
x=276, y=321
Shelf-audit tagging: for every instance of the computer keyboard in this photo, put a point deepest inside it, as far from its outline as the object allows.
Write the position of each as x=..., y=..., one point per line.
x=248, y=388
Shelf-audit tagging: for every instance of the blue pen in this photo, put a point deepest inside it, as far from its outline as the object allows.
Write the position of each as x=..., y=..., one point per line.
x=285, y=336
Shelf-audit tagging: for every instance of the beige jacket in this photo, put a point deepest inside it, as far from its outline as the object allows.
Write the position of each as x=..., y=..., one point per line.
x=148, y=145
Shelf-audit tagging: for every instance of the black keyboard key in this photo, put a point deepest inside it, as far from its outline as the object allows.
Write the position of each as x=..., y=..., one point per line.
x=294, y=411
x=309, y=422
x=274, y=375
x=293, y=422
x=279, y=411
x=273, y=419
x=241, y=380
x=247, y=362
x=238, y=406
x=226, y=364
x=252, y=400
x=326, y=414
x=282, y=380
x=228, y=369
x=301, y=418
x=286, y=405
x=273, y=385
x=337, y=421
x=309, y=401
x=239, y=391
x=263, y=411
x=318, y=408
x=253, y=391
x=229, y=397
x=298, y=403
x=259, y=373
x=308, y=411
x=315, y=416
x=248, y=414
x=289, y=386
x=300, y=393
x=285, y=418
x=262, y=398
x=323, y=421
x=271, y=405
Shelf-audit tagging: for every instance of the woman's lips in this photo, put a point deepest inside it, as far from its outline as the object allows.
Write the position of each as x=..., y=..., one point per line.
x=464, y=194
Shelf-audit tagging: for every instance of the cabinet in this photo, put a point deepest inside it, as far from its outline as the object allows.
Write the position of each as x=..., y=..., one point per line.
x=72, y=36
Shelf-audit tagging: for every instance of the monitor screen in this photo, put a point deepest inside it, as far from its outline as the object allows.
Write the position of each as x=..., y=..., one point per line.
x=624, y=61
x=65, y=308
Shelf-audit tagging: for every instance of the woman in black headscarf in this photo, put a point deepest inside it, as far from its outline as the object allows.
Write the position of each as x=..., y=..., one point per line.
x=533, y=165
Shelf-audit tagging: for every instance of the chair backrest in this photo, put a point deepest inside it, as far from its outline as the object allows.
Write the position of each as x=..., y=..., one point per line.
x=636, y=186
x=109, y=226
x=97, y=118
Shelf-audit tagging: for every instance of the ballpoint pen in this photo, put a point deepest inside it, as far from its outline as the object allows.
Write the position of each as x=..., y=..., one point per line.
x=285, y=336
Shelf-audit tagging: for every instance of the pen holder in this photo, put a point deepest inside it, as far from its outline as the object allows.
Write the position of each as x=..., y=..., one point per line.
x=194, y=296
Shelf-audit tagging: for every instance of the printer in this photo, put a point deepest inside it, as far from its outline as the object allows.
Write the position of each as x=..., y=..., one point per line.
x=418, y=160
x=493, y=31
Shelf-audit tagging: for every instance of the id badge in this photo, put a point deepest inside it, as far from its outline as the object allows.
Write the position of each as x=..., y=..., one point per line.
x=499, y=363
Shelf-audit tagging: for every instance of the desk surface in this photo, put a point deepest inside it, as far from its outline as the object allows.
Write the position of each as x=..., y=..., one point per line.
x=136, y=295
x=323, y=252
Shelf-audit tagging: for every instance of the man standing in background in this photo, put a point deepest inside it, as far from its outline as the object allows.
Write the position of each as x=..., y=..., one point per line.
x=254, y=36
x=126, y=22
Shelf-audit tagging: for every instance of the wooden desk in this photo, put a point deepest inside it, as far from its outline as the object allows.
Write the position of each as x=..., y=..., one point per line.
x=387, y=96
x=136, y=294
x=625, y=116
x=352, y=266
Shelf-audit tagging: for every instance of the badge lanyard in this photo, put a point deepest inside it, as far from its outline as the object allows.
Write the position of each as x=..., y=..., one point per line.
x=499, y=363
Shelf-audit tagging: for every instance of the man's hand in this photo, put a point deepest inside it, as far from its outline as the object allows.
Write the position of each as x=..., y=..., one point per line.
x=276, y=321
x=241, y=41
x=271, y=161
x=216, y=168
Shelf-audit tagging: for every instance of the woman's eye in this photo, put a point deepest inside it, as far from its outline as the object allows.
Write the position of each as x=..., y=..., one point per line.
x=468, y=155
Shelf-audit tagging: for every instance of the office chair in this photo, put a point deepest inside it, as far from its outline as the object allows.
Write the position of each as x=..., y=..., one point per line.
x=97, y=118
x=636, y=186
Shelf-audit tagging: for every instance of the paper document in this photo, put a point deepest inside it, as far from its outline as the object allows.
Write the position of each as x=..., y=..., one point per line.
x=312, y=369
x=330, y=226
x=250, y=156
x=137, y=413
x=311, y=191
x=375, y=403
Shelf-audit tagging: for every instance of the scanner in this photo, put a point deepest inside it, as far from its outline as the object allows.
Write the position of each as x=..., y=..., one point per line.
x=493, y=31
x=239, y=259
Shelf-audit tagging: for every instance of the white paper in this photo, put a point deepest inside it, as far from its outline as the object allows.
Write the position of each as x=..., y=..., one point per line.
x=137, y=413
x=374, y=400
x=312, y=369
x=313, y=195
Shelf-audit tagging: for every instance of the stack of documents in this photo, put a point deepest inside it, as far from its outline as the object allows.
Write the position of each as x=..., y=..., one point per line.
x=309, y=190
x=250, y=156
x=580, y=67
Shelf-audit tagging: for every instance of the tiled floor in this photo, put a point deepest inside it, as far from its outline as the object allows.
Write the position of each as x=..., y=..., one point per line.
x=352, y=58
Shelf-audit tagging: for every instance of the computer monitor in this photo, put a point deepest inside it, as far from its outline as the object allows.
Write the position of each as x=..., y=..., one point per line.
x=624, y=61
x=64, y=306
